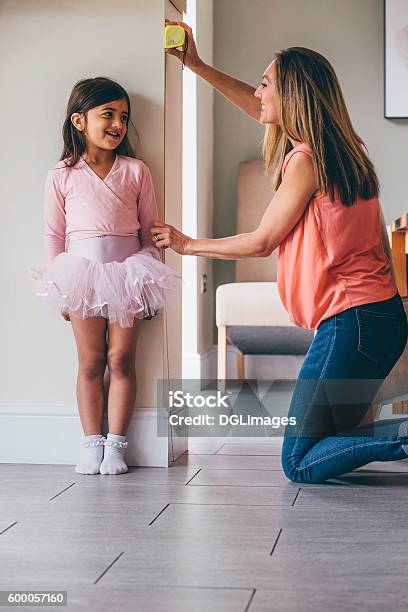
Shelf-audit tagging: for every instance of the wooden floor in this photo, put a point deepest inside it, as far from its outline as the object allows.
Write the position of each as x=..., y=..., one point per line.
x=221, y=530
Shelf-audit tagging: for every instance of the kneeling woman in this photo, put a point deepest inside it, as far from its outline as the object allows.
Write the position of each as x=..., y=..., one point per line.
x=335, y=273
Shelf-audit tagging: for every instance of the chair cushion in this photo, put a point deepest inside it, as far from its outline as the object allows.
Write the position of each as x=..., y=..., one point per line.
x=250, y=304
x=270, y=340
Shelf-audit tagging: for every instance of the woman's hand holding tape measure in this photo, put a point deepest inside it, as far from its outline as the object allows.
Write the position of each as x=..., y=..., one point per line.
x=188, y=55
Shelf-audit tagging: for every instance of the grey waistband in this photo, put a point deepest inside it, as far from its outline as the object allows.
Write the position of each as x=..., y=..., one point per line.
x=104, y=248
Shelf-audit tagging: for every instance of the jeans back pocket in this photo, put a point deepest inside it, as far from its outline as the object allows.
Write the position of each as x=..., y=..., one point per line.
x=378, y=333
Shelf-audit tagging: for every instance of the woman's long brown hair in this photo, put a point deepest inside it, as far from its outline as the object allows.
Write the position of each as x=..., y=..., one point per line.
x=313, y=111
x=85, y=95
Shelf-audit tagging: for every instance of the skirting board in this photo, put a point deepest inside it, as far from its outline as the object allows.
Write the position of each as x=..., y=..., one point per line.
x=198, y=366
x=53, y=436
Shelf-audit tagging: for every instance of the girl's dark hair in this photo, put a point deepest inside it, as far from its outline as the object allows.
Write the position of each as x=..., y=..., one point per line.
x=85, y=95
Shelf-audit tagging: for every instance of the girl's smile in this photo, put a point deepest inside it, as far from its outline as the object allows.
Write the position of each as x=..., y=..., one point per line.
x=114, y=135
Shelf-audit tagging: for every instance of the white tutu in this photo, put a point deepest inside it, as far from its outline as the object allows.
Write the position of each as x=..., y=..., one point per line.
x=90, y=286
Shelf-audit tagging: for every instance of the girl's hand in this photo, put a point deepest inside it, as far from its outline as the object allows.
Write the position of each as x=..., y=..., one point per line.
x=165, y=235
x=191, y=58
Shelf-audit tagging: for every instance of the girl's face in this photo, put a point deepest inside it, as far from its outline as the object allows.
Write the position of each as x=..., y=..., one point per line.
x=268, y=96
x=105, y=125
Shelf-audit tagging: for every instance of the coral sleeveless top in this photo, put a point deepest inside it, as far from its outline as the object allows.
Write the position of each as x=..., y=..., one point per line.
x=333, y=259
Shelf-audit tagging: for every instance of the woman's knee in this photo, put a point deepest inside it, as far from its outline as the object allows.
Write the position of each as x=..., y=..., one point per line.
x=301, y=475
x=293, y=470
x=289, y=466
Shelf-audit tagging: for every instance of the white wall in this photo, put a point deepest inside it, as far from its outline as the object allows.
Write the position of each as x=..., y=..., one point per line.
x=197, y=192
x=350, y=34
x=205, y=179
x=47, y=46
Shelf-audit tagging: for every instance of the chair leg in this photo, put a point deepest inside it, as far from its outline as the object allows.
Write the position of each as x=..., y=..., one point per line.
x=222, y=353
x=241, y=366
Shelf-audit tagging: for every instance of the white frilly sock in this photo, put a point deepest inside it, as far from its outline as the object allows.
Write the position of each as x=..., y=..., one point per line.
x=91, y=455
x=113, y=461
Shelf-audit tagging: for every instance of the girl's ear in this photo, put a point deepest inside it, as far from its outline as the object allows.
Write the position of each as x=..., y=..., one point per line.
x=77, y=121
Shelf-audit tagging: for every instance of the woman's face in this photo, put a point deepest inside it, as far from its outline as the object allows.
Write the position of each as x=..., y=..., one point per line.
x=268, y=96
x=105, y=125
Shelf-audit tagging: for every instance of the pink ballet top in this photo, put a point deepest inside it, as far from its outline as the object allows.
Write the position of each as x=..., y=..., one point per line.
x=80, y=204
x=333, y=259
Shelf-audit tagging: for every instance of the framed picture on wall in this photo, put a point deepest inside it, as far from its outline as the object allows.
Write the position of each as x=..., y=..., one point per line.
x=396, y=59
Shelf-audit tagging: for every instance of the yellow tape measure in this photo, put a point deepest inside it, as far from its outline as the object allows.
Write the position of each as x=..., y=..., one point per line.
x=174, y=36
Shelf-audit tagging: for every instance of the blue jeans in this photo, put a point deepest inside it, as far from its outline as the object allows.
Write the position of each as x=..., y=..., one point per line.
x=350, y=356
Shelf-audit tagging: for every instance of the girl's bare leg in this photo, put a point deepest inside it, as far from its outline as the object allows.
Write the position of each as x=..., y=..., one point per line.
x=122, y=394
x=90, y=336
x=121, y=363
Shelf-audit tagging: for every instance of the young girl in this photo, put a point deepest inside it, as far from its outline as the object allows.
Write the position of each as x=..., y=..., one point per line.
x=102, y=268
x=334, y=275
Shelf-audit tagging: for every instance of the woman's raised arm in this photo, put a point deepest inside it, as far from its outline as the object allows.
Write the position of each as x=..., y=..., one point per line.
x=239, y=93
